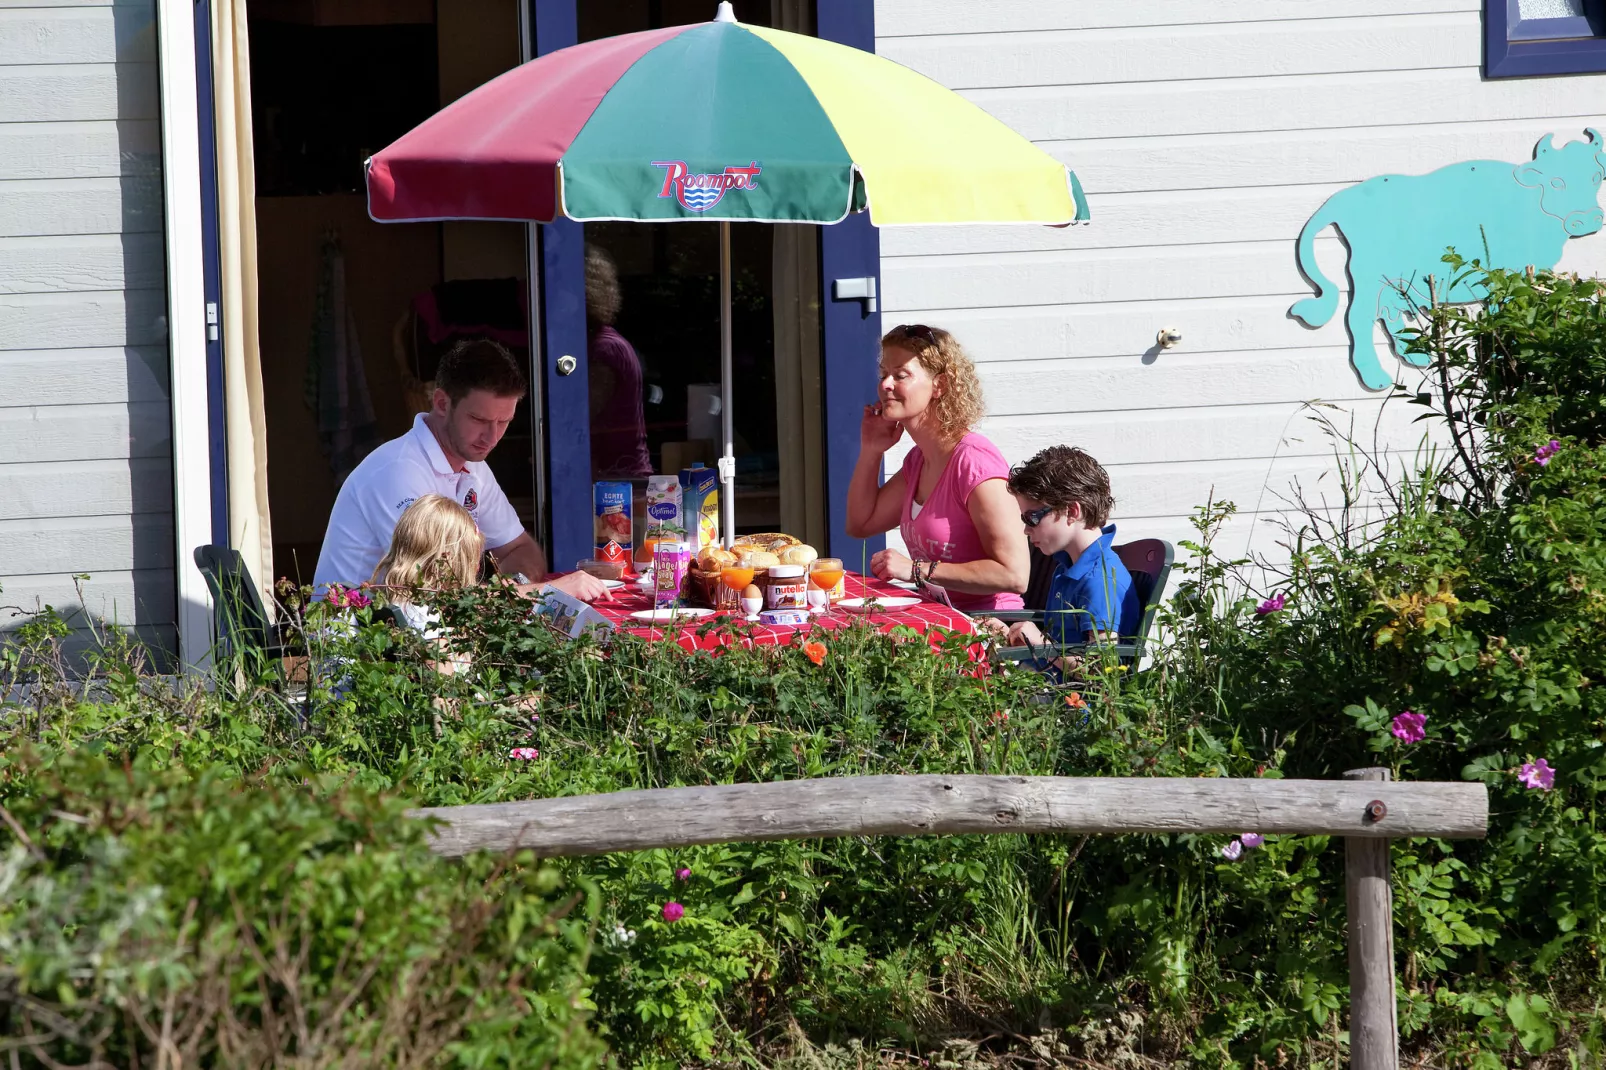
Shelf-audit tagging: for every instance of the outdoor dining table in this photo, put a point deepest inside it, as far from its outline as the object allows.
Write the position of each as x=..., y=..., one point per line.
x=927, y=618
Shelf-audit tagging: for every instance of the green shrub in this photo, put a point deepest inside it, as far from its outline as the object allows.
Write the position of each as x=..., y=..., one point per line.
x=169, y=916
x=1475, y=602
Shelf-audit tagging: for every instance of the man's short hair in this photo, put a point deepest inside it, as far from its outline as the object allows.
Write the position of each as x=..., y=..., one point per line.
x=480, y=364
x=1064, y=475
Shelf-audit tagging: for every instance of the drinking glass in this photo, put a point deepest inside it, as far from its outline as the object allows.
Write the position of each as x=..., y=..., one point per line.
x=826, y=573
x=736, y=578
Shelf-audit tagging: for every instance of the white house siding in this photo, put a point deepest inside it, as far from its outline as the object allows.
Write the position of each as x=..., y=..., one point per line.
x=85, y=428
x=1205, y=133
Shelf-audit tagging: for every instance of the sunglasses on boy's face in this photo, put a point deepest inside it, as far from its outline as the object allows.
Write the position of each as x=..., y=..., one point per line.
x=1035, y=517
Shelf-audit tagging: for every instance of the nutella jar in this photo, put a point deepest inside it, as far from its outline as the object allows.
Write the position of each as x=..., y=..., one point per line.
x=788, y=588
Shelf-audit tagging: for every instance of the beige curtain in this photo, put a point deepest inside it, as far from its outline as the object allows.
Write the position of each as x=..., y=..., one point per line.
x=798, y=402
x=247, y=443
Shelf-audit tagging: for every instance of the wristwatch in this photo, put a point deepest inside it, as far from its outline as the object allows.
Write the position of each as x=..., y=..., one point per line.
x=521, y=579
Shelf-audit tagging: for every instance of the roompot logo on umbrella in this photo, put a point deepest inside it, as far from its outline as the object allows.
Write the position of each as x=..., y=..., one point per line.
x=699, y=193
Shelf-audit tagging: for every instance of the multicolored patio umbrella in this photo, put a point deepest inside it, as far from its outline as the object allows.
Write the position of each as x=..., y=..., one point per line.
x=718, y=121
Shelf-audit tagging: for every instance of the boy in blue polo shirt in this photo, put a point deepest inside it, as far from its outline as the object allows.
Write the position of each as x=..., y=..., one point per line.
x=1065, y=501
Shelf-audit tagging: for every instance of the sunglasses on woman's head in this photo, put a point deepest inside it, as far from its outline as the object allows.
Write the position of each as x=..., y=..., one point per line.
x=1035, y=517
x=918, y=331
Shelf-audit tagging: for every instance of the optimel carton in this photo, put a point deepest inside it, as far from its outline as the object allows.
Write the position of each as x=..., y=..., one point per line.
x=699, y=506
x=665, y=522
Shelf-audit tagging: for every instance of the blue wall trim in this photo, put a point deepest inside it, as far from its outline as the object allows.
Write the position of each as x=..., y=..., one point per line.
x=217, y=431
x=563, y=333
x=1504, y=57
x=850, y=249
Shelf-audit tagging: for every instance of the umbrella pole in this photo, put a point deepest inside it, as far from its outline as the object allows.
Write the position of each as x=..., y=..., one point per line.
x=727, y=460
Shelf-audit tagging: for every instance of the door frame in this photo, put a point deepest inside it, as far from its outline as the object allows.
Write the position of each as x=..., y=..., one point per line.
x=178, y=52
x=850, y=338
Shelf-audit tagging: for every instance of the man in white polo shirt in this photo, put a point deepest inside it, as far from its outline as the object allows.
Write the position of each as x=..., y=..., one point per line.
x=477, y=389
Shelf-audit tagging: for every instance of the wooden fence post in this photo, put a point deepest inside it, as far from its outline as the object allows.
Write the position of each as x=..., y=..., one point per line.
x=1374, y=1034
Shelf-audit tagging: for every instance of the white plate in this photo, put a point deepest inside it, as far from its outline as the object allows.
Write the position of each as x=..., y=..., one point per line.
x=667, y=616
x=871, y=605
x=905, y=584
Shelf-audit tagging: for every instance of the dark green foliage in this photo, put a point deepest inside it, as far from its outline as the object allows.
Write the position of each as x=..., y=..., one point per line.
x=161, y=915
x=1476, y=601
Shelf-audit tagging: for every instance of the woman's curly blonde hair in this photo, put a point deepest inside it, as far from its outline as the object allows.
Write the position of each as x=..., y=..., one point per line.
x=958, y=405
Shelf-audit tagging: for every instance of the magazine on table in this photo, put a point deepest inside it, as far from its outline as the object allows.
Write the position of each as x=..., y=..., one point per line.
x=568, y=614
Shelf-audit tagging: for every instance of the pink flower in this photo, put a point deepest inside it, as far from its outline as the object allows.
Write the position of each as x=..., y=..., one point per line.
x=674, y=911
x=1271, y=605
x=1233, y=851
x=1409, y=727
x=1537, y=776
x=336, y=596
x=358, y=600
x=1546, y=452
x=524, y=754
x=683, y=874
x=1251, y=840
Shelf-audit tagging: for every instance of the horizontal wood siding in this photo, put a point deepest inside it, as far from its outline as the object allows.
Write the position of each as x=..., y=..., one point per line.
x=1205, y=132
x=86, y=470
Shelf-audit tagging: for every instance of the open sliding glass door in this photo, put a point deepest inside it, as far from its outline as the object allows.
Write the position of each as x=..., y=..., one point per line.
x=797, y=393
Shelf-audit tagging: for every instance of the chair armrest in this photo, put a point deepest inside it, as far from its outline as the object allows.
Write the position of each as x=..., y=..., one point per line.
x=1010, y=616
x=1033, y=653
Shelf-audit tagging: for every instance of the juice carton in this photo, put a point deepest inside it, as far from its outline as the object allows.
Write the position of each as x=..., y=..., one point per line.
x=699, y=505
x=611, y=502
x=670, y=563
x=666, y=521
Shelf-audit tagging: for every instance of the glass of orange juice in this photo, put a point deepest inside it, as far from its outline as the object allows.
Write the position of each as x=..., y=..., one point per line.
x=736, y=578
x=825, y=574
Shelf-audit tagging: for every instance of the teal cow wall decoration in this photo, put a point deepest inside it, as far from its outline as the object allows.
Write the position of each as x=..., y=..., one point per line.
x=1397, y=228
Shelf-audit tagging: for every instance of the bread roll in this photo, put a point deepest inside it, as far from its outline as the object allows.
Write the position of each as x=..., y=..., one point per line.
x=770, y=542
x=713, y=558
x=761, y=559
x=802, y=554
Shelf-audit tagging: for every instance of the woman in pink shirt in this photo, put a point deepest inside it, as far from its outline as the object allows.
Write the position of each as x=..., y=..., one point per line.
x=950, y=500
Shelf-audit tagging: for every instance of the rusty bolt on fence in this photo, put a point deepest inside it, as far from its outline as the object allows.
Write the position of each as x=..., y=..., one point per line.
x=1376, y=811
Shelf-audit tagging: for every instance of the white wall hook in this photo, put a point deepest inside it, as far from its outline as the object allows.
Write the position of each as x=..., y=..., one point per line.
x=1168, y=337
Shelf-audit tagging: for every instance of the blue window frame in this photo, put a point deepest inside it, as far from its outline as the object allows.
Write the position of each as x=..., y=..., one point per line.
x=1523, y=38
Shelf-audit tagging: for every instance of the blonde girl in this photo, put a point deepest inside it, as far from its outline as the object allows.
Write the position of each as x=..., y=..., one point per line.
x=435, y=546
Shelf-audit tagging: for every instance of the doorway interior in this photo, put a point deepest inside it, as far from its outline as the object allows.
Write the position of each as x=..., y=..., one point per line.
x=355, y=314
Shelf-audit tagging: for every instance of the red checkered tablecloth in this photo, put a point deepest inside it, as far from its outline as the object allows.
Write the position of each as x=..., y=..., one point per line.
x=923, y=618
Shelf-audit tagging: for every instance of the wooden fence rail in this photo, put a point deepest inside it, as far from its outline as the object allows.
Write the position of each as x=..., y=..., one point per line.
x=1365, y=808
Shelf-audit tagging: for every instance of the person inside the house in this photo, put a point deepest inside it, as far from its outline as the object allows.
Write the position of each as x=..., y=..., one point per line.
x=949, y=498
x=1064, y=499
x=618, y=426
x=477, y=388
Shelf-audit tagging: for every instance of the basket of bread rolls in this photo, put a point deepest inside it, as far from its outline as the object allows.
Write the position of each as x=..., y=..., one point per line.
x=758, y=552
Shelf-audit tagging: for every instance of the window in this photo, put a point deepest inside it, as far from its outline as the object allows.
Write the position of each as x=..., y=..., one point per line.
x=1531, y=37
